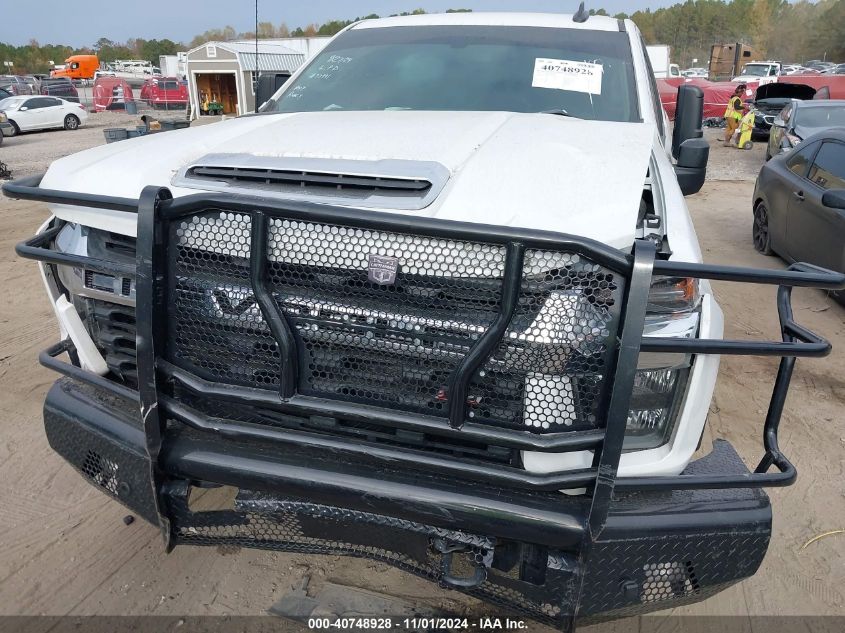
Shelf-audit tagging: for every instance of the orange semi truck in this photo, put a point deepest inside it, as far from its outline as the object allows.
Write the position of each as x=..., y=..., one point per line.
x=78, y=67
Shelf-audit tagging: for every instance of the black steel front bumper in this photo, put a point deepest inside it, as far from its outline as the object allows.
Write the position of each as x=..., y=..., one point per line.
x=519, y=551
x=494, y=530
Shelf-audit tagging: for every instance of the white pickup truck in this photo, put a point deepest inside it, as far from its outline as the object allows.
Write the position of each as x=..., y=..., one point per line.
x=761, y=72
x=439, y=303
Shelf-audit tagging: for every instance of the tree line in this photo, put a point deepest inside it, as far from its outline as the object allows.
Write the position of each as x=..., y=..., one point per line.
x=267, y=30
x=36, y=58
x=781, y=30
x=791, y=32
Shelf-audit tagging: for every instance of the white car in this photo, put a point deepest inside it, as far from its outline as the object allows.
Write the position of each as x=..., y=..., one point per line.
x=695, y=72
x=31, y=113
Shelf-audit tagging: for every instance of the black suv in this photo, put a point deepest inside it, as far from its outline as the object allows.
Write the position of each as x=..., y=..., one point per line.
x=61, y=87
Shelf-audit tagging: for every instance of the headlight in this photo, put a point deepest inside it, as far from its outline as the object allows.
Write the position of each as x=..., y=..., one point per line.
x=661, y=379
x=555, y=393
x=672, y=296
x=3, y=117
x=655, y=403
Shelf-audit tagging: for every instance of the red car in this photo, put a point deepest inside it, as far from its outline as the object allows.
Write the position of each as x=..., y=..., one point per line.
x=164, y=91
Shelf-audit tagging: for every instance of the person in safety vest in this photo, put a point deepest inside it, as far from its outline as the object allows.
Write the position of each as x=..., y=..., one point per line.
x=733, y=113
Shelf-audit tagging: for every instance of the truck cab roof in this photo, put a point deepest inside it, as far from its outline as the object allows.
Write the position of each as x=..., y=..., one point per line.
x=539, y=20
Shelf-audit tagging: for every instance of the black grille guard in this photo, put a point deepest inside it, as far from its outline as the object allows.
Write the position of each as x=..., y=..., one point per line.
x=156, y=208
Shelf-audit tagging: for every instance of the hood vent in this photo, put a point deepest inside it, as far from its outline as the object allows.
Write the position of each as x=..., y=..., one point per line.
x=306, y=179
x=397, y=184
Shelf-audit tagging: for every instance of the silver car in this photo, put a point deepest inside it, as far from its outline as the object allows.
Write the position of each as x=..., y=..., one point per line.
x=15, y=84
x=800, y=119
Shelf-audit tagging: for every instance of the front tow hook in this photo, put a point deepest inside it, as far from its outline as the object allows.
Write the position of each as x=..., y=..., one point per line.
x=447, y=549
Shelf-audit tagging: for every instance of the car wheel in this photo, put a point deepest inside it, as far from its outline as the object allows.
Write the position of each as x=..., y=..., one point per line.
x=71, y=122
x=15, y=129
x=760, y=230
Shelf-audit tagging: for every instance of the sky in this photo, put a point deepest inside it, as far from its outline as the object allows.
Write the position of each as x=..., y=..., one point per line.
x=83, y=23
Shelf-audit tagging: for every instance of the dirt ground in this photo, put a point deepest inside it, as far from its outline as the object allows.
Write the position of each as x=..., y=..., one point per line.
x=66, y=551
x=32, y=152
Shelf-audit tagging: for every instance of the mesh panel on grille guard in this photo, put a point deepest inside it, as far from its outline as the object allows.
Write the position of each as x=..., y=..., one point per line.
x=216, y=327
x=548, y=371
x=393, y=345
x=395, y=341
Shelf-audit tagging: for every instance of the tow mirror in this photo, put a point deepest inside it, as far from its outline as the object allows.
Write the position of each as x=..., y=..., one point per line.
x=691, y=167
x=263, y=91
x=690, y=150
x=268, y=84
x=834, y=199
x=688, y=114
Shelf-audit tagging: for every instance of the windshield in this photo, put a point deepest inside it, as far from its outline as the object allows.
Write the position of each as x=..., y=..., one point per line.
x=820, y=116
x=756, y=70
x=586, y=74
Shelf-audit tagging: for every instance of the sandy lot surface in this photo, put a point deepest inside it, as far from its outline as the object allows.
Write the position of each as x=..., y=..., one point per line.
x=32, y=152
x=66, y=550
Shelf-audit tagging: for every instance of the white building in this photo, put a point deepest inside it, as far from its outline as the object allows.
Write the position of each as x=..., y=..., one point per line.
x=308, y=46
x=223, y=72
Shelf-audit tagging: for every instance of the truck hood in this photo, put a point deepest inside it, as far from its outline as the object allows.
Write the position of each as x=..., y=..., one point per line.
x=784, y=91
x=536, y=171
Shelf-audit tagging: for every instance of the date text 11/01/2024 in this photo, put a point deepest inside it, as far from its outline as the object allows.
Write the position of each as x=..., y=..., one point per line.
x=415, y=624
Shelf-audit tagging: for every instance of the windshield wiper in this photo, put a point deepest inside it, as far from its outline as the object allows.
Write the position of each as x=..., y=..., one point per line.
x=558, y=112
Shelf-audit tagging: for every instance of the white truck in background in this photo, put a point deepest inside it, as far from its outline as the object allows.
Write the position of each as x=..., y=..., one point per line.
x=764, y=72
x=659, y=55
x=173, y=65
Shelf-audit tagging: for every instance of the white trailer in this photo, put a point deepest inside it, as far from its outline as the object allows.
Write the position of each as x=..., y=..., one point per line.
x=173, y=65
x=658, y=54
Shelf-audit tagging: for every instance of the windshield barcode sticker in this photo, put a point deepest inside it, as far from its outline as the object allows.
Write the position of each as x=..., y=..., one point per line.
x=562, y=74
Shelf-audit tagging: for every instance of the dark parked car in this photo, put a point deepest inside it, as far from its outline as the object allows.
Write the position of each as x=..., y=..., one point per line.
x=819, y=65
x=15, y=84
x=770, y=99
x=5, y=126
x=61, y=87
x=799, y=203
x=800, y=119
